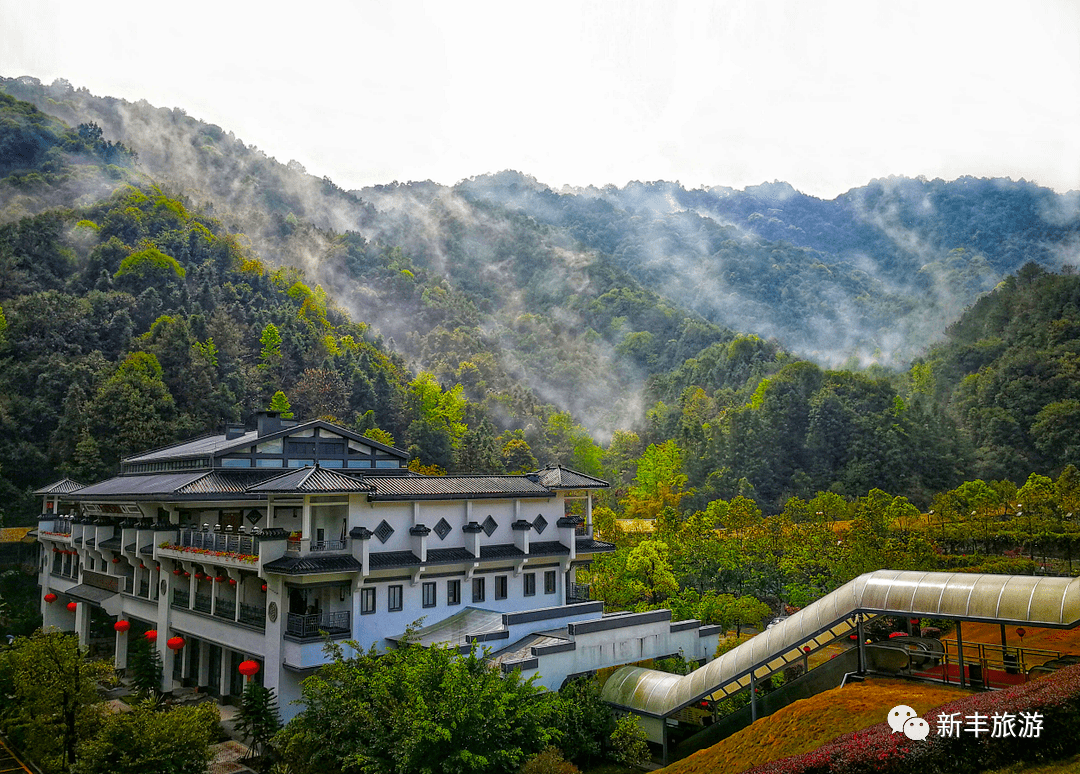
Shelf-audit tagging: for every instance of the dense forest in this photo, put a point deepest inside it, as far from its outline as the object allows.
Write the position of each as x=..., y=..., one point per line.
x=154, y=291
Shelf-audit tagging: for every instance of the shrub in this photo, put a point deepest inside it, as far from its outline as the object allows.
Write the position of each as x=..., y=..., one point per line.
x=549, y=761
x=877, y=749
x=629, y=743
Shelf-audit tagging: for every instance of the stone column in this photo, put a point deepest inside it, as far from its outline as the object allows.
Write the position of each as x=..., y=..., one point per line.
x=120, y=661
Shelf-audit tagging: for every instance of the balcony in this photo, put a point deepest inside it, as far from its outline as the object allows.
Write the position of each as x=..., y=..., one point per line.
x=246, y=545
x=253, y=615
x=327, y=545
x=202, y=603
x=577, y=592
x=181, y=598
x=225, y=608
x=336, y=624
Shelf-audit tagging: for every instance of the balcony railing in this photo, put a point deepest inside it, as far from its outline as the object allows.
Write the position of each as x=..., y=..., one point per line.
x=225, y=608
x=293, y=544
x=220, y=541
x=577, y=592
x=310, y=625
x=328, y=545
x=253, y=615
x=203, y=603
x=181, y=598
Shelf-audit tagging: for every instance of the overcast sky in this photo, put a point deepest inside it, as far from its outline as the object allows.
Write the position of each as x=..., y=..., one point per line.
x=825, y=95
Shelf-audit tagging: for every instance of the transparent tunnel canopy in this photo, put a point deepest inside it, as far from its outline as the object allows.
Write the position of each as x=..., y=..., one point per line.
x=1008, y=599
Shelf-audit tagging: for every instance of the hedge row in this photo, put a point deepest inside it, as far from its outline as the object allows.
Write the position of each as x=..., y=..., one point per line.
x=878, y=750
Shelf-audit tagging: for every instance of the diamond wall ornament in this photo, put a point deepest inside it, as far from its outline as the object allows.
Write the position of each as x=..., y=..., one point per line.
x=540, y=524
x=383, y=531
x=489, y=525
x=442, y=529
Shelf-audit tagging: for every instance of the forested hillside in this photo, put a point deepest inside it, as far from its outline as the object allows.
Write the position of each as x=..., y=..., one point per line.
x=487, y=325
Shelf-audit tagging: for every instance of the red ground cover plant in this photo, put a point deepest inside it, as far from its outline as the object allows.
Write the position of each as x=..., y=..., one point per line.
x=877, y=750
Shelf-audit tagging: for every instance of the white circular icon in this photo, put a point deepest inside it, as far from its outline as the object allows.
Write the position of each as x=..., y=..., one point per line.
x=899, y=715
x=916, y=728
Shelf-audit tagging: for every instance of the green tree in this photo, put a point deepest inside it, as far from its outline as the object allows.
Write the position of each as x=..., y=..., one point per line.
x=629, y=743
x=648, y=571
x=583, y=721
x=258, y=718
x=144, y=741
x=144, y=664
x=279, y=402
x=50, y=687
x=413, y=709
x=660, y=482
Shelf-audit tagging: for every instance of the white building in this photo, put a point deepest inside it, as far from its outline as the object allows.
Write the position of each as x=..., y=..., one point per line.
x=249, y=545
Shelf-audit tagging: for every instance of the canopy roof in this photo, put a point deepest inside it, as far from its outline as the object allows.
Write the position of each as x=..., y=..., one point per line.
x=1006, y=599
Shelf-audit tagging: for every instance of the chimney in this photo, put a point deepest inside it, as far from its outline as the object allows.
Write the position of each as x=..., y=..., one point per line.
x=268, y=422
x=234, y=431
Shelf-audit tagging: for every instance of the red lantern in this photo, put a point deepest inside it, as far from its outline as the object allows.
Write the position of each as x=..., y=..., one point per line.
x=72, y=606
x=219, y=579
x=264, y=587
x=142, y=566
x=55, y=550
x=151, y=635
x=852, y=637
x=232, y=581
x=914, y=621
x=806, y=649
x=249, y=668
x=176, y=571
x=1020, y=633
x=187, y=574
x=116, y=560
x=894, y=635
x=175, y=643
x=50, y=597
x=121, y=626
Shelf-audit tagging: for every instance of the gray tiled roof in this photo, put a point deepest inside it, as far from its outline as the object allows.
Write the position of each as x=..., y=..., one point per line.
x=224, y=482
x=454, y=487
x=199, y=447
x=547, y=548
x=63, y=486
x=383, y=559
x=89, y=593
x=500, y=551
x=558, y=477
x=590, y=546
x=313, y=479
x=112, y=544
x=289, y=565
x=125, y=486
x=446, y=555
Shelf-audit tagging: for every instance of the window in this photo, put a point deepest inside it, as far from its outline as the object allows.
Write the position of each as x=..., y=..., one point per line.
x=235, y=462
x=387, y=463
x=394, y=599
x=367, y=601
x=300, y=448
x=530, y=584
x=267, y=463
x=300, y=463
x=549, y=582
x=429, y=594
x=336, y=449
x=453, y=592
x=478, y=590
x=500, y=587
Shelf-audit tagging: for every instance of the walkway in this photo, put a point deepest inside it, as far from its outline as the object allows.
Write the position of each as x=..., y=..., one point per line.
x=11, y=763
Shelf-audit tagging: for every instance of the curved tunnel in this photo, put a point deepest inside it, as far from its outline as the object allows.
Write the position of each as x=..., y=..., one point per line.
x=1002, y=599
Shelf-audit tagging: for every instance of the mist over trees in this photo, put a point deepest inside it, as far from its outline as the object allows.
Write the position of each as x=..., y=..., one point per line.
x=499, y=325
